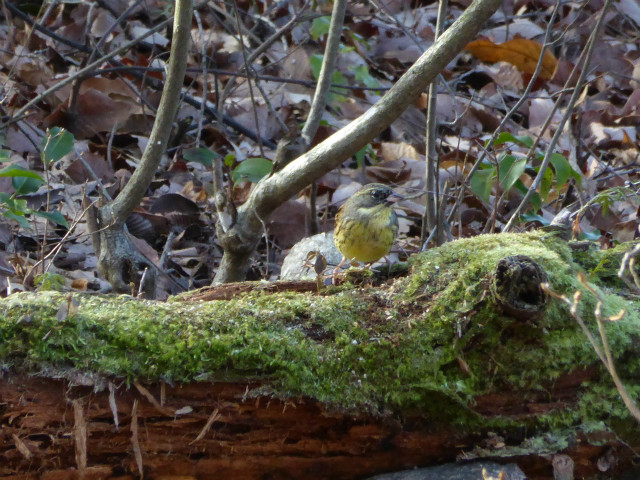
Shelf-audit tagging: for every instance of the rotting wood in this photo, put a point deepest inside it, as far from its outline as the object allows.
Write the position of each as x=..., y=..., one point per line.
x=249, y=438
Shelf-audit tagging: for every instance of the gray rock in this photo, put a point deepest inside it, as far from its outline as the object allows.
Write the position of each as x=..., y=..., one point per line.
x=458, y=471
x=293, y=266
x=562, y=467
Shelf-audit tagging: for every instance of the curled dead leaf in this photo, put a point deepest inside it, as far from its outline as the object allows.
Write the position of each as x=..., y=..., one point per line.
x=521, y=52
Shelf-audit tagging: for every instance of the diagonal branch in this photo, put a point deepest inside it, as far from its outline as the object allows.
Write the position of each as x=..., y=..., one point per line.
x=276, y=189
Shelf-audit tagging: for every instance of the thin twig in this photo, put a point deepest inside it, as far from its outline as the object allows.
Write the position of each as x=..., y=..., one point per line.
x=604, y=353
x=134, y=71
x=18, y=115
x=321, y=95
x=247, y=67
x=430, y=218
x=203, y=66
x=523, y=98
x=560, y=127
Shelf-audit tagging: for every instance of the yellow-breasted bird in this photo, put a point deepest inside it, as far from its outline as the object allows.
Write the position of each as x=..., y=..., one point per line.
x=366, y=225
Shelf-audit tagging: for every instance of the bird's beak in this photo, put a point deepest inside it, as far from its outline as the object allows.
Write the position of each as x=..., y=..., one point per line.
x=394, y=197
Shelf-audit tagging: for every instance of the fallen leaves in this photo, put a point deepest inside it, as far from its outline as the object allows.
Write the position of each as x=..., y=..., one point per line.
x=110, y=116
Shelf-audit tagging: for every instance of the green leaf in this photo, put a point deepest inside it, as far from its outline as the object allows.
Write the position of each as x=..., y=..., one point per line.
x=506, y=137
x=320, y=27
x=337, y=79
x=511, y=169
x=252, y=169
x=521, y=187
x=55, y=217
x=363, y=75
x=358, y=38
x=229, y=160
x=534, y=217
x=608, y=197
x=482, y=182
x=503, y=137
x=545, y=185
x=57, y=144
x=316, y=65
x=562, y=168
x=577, y=176
x=203, y=156
x=24, y=185
x=16, y=209
x=315, y=62
x=363, y=152
x=16, y=205
x=4, y=155
x=24, y=181
x=342, y=48
x=49, y=281
x=525, y=140
x=18, y=171
x=22, y=221
x=536, y=202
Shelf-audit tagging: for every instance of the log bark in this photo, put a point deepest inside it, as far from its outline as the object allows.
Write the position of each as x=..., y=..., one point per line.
x=213, y=431
x=344, y=383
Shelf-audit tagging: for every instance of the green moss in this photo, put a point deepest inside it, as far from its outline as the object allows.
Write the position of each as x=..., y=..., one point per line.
x=397, y=350
x=608, y=264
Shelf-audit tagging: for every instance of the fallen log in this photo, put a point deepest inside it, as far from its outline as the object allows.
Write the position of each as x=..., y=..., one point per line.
x=343, y=383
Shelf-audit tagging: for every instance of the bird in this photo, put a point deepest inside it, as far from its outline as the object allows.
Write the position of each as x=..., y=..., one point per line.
x=366, y=225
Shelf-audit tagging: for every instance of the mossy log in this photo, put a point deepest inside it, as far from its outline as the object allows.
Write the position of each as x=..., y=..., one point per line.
x=340, y=383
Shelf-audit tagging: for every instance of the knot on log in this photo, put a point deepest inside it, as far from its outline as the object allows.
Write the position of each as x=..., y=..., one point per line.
x=515, y=287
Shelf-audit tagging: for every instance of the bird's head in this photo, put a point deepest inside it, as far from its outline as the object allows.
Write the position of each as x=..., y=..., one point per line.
x=371, y=195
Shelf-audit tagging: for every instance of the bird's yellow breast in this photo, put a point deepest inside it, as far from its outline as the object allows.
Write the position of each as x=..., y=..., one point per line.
x=367, y=234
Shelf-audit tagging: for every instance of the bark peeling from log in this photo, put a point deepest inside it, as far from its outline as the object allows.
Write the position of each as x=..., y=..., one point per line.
x=250, y=438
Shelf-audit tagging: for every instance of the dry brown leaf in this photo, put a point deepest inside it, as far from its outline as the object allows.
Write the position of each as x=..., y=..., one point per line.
x=80, y=283
x=393, y=151
x=421, y=101
x=31, y=69
x=91, y=166
x=521, y=52
x=396, y=171
x=287, y=223
x=102, y=24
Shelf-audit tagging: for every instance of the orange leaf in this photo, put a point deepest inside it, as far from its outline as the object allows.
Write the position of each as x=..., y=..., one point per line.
x=521, y=52
x=626, y=139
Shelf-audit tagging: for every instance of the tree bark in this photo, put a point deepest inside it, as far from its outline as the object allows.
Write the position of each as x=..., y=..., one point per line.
x=118, y=260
